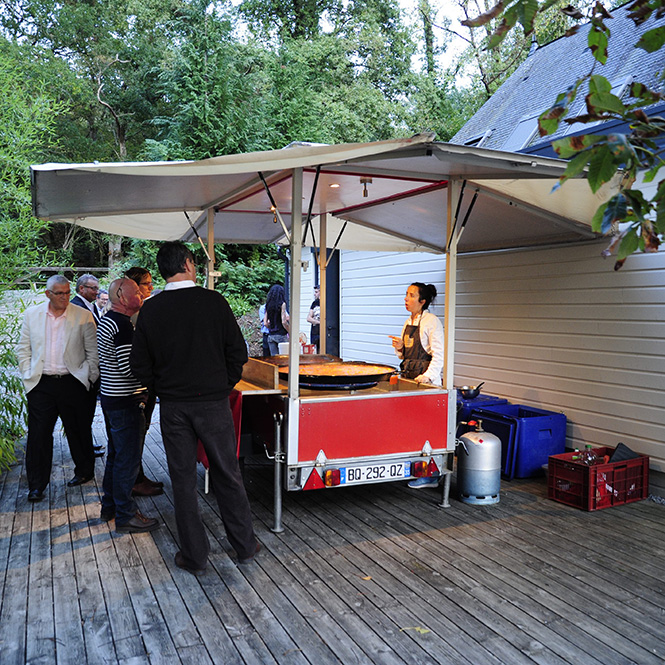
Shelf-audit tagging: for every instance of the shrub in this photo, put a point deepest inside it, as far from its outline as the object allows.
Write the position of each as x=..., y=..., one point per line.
x=13, y=408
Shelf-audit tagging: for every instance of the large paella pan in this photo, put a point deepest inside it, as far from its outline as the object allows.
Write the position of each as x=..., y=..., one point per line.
x=340, y=374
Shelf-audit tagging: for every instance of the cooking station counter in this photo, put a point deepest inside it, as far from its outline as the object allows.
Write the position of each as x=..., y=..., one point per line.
x=335, y=436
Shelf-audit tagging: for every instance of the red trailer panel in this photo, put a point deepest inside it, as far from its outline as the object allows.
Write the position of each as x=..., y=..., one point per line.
x=349, y=428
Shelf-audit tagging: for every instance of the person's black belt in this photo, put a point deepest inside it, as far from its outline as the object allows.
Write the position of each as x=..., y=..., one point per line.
x=56, y=376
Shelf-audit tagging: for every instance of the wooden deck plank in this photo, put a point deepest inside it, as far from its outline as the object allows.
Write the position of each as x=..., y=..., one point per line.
x=40, y=645
x=401, y=564
x=591, y=561
x=590, y=615
x=69, y=634
x=335, y=564
x=245, y=631
x=85, y=575
x=623, y=618
x=298, y=568
x=13, y=614
x=478, y=558
x=358, y=576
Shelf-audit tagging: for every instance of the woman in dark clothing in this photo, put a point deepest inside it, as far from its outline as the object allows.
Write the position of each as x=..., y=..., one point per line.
x=276, y=318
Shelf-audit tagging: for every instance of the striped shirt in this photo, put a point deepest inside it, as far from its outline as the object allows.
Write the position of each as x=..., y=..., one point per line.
x=114, y=343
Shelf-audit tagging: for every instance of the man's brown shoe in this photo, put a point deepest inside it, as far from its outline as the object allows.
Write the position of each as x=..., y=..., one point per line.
x=181, y=563
x=249, y=559
x=144, y=488
x=138, y=524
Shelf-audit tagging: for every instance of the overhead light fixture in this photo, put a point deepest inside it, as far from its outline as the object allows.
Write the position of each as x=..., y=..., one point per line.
x=335, y=185
x=364, y=182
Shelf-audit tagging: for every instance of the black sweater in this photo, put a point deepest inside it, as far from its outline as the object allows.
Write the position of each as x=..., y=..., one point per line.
x=187, y=346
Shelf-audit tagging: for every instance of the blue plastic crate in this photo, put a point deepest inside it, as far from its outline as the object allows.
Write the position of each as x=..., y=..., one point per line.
x=465, y=407
x=528, y=436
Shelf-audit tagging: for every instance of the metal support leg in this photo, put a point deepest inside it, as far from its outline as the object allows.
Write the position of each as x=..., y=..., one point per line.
x=279, y=469
x=445, y=492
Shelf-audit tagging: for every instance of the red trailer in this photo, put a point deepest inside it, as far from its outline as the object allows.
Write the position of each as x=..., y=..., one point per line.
x=412, y=194
x=349, y=435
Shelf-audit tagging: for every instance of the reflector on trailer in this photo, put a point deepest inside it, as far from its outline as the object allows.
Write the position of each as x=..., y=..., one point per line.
x=314, y=481
x=331, y=477
x=432, y=468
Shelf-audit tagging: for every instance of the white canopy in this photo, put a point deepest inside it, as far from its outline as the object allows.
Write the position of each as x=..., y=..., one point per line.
x=393, y=194
x=401, y=195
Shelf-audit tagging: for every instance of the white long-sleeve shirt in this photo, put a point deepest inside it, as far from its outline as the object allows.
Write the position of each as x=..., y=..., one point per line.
x=431, y=338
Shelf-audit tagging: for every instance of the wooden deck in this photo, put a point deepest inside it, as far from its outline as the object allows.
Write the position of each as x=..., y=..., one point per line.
x=375, y=574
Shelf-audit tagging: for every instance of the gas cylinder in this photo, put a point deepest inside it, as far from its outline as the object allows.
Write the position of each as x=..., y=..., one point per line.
x=479, y=466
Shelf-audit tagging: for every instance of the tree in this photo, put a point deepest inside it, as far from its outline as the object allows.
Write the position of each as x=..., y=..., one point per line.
x=27, y=113
x=635, y=222
x=216, y=89
x=289, y=19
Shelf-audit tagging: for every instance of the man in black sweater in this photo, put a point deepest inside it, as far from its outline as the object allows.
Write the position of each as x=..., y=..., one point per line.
x=188, y=349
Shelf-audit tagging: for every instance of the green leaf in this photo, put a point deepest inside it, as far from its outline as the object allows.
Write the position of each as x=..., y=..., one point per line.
x=605, y=101
x=659, y=200
x=638, y=203
x=615, y=210
x=598, y=44
x=527, y=11
x=620, y=146
x=644, y=94
x=599, y=84
x=571, y=145
x=629, y=244
x=549, y=120
x=602, y=166
x=506, y=25
x=576, y=165
x=652, y=40
x=599, y=215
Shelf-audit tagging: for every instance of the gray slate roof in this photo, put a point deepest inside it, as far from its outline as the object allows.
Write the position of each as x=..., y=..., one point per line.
x=535, y=84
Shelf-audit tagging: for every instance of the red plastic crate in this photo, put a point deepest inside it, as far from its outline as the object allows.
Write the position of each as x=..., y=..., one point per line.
x=598, y=486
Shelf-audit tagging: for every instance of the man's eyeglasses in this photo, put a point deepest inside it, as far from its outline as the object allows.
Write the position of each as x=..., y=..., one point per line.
x=60, y=293
x=93, y=287
x=118, y=292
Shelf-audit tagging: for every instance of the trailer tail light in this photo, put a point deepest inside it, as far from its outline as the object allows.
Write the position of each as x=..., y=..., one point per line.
x=419, y=469
x=314, y=481
x=424, y=469
x=331, y=477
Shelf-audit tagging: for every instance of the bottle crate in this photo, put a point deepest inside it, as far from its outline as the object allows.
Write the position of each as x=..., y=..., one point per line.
x=600, y=485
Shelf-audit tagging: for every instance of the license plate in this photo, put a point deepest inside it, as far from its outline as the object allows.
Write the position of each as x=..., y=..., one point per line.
x=374, y=473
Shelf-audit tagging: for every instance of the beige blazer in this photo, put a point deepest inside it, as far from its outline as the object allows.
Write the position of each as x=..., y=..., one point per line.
x=80, y=356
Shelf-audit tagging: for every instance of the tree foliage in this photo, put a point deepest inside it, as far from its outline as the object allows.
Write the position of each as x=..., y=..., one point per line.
x=634, y=221
x=27, y=112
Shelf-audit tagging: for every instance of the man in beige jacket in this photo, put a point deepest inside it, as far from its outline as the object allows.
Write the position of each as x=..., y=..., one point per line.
x=57, y=354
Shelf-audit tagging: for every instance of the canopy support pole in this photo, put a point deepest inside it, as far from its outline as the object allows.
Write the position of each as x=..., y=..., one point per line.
x=211, y=249
x=294, y=327
x=450, y=287
x=455, y=189
x=323, y=271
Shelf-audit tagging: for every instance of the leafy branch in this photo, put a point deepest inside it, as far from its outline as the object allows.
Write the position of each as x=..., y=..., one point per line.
x=634, y=221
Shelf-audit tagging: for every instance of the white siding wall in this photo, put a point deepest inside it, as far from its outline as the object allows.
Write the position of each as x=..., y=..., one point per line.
x=307, y=291
x=372, y=300
x=552, y=328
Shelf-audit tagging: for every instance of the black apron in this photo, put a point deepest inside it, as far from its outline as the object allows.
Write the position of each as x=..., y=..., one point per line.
x=415, y=360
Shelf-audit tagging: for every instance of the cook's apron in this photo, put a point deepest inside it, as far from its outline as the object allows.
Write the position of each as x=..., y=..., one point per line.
x=415, y=360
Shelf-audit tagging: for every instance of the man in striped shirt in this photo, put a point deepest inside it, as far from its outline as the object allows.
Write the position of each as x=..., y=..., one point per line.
x=123, y=401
